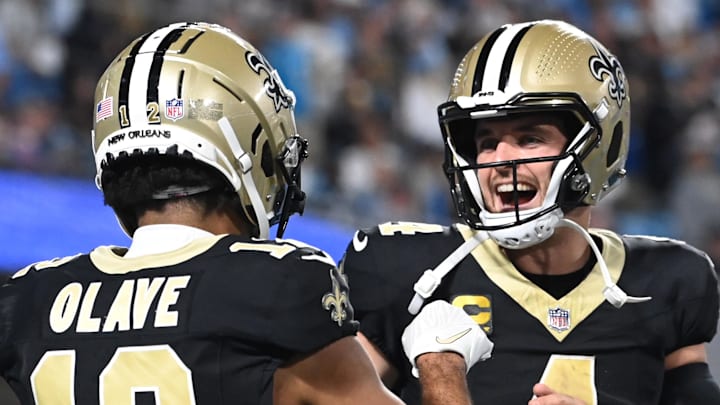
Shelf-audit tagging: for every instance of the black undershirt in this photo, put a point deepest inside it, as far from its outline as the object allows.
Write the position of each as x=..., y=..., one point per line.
x=558, y=285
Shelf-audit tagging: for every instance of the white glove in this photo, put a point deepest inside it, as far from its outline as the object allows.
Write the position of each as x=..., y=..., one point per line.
x=442, y=327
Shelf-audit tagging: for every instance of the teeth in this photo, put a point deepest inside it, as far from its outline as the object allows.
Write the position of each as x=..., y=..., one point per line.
x=508, y=188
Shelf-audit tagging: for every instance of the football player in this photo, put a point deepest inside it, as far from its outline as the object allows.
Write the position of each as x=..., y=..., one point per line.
x=198, y=154
x=536, y=132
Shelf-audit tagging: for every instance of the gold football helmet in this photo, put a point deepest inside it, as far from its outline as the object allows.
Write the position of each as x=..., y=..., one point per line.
x=540, y=66
x=198, y=89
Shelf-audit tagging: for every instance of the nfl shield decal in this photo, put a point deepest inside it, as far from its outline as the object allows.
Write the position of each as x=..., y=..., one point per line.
x=559, y=319
x=174, y=109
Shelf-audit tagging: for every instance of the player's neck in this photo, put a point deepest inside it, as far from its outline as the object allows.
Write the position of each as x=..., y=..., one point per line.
x=215, y=222
x=565, y=252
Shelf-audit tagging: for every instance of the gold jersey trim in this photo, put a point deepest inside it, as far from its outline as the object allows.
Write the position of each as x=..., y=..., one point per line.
x=110, y=260
x=585, y=298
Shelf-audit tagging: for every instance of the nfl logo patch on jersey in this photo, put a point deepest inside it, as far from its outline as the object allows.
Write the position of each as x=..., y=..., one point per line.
x=559, y=319
x=174, y=109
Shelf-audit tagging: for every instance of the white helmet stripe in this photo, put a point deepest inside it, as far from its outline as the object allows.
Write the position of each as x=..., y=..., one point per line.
x=141, y=71
x=498, y=54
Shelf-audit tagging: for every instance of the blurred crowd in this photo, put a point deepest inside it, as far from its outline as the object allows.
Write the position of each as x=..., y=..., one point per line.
x=368, y=76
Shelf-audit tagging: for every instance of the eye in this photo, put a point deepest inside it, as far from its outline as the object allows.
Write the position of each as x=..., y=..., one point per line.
x=531, y=139
x=485, y=143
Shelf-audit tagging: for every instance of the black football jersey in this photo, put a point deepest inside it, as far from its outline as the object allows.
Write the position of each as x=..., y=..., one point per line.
x=207, y=324
x=578, y=344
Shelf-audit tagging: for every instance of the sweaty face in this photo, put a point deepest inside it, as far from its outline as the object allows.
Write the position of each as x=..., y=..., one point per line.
x=514, y=138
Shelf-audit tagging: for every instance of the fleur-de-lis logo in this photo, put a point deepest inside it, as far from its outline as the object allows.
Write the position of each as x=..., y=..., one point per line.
x=274, y=87
x=337, y=301
x=604, y=64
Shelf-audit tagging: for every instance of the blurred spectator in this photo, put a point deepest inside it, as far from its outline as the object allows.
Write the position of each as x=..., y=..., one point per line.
x=426, y=69
x=370, y=178
x=36, y=139
x=695, y=196
x=713, y=245
x=368, y=76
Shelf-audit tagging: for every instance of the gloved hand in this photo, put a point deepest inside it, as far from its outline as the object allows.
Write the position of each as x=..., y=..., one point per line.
x=442, y=327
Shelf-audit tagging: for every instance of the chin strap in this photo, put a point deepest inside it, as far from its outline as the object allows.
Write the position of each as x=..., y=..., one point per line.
x=244, y=163
x=431, y=279
x=613, y=294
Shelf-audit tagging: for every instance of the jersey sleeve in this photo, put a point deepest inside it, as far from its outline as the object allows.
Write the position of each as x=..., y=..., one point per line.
x=283, y=295
x=378, y=296
x=18, y=310
x=382, y=264
x=8, y=303
x=683, y=283
x=15, y=302
x=317, y=309
x=696, y=315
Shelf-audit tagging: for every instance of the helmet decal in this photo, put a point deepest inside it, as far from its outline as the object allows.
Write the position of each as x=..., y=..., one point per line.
x=204, y=109
x=104, y=109
x=174, y=109
x=274, y=87
x=605, y=64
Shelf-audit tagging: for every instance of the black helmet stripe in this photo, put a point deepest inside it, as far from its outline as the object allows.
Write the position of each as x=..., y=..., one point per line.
x=124, y=89
x=483, y=59
x=499, y=60
x=189, y=42
x=139, y=67
x=158, y=58
x=509, y=56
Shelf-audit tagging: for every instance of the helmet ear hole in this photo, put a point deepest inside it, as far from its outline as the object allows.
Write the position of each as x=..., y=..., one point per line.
x=266, y=160
x=615, y=143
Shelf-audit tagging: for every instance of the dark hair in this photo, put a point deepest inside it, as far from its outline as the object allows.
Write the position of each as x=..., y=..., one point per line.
x=131, y=184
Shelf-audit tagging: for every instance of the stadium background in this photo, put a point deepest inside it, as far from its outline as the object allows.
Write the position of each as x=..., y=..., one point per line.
x=368, y=76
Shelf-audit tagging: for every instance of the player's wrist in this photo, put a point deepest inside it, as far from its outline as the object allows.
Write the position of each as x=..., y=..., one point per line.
x=442, y=377
x=444, y=362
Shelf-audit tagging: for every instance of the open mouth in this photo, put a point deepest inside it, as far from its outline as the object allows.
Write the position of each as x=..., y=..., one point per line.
x=525, y=194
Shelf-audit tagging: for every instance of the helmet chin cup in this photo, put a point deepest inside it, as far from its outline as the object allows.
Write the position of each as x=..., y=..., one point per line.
x=524, y=235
